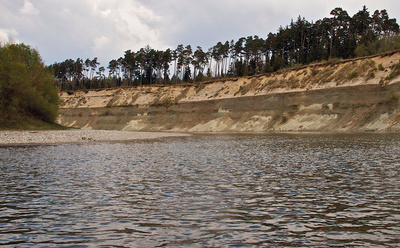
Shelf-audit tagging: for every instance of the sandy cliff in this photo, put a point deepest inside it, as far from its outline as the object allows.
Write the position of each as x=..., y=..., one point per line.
x=337, y=96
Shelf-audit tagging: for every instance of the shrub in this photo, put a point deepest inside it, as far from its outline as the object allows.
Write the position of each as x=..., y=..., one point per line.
x=395, y=72
x=26, y=85
x=371, y=75
x=353, y=75
x=362, y=51
x=165, y=102
x=314, y=72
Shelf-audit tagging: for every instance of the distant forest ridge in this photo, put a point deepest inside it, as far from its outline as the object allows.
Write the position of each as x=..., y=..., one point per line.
x=300, y=43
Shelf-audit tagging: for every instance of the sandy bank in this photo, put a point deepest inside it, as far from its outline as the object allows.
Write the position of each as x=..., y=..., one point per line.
x=76, y=136
x=321, y=97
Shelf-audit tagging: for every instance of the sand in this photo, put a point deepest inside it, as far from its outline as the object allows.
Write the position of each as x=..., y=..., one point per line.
x=76, y=136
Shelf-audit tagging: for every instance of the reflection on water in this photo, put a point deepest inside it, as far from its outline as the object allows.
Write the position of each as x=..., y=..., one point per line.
x=202, y=191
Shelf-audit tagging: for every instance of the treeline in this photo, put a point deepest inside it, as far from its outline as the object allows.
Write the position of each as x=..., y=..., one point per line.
x=299, y=43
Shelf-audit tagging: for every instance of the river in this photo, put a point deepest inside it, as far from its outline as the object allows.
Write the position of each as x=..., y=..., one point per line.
x=286, y=190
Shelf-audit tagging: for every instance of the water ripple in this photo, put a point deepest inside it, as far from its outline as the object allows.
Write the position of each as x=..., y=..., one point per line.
x=204, y=191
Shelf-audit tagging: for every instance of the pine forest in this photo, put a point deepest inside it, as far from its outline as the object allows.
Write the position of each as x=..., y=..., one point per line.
x=302, y=42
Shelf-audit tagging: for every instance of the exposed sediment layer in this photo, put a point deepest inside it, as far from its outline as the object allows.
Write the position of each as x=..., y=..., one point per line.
x=351, y=96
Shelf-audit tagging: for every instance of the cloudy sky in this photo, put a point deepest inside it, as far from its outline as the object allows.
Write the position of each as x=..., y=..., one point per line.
x=64, y=29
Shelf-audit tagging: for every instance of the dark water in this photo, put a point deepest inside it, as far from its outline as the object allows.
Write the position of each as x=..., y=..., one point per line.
x=204, y=191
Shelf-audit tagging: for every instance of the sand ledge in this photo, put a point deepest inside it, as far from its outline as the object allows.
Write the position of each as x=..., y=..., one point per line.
x=76, y=136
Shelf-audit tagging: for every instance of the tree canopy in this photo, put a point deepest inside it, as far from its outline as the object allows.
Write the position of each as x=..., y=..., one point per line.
x=299, y=43
x=27, y=87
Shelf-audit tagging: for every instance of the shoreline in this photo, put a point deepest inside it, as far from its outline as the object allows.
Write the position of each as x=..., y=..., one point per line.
x=54, y=137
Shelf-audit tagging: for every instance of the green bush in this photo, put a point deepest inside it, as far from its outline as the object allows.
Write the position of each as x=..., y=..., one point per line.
x=165, y=102
x=26, y=85
x=362, y=51
x=353, y=75
x=371, y=75
x=395, y=72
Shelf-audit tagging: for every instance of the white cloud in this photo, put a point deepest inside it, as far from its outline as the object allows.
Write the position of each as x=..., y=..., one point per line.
x=7, y=35
x=120, y=25
x=206, y=22
x=100, y=42
x=106, y=28
x=29, y=9
x=134, y=24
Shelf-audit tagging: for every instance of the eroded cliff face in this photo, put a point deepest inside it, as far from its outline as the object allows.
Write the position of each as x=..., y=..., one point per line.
x=350, y=96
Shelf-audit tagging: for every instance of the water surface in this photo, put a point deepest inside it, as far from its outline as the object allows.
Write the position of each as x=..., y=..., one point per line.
x=204, y=191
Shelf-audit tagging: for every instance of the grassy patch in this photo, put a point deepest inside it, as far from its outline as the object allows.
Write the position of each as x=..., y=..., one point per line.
x=244, y=89
x=371, y=75
x=341, y=74
x=352, y=75
x=182, y=94
x=332, y=62
x=112, y=101
x=27, y=123
x=319, y=76
x=394, y=73
x=164, y=102
x=314, y=72
x=325, y=75
x=200, y=87
x=350, y=71
x=294, y=82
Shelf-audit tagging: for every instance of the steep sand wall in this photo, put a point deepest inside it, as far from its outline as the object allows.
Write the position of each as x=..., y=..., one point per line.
x=331, y=97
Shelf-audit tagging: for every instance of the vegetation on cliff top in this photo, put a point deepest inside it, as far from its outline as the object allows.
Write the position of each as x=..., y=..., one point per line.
x=28, y=94
x=300, y=43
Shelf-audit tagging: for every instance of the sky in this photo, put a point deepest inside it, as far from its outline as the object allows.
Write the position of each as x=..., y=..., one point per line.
x=71, y=29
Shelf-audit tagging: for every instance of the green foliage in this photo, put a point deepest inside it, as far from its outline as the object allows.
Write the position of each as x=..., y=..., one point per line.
x=383, y=44
x=26, y=85
x=395, y=72
x=353, y=75
x=371, y=75
x=29, y=123
x=165, y=102
x=362, y=51
x=325, y=75
x=278, y=63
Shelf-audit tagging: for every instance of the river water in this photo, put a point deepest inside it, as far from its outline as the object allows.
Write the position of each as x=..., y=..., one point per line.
x=313, y=190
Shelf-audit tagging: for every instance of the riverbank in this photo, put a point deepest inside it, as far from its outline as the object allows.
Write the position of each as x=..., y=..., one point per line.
x=76, y=136
x=360, y=95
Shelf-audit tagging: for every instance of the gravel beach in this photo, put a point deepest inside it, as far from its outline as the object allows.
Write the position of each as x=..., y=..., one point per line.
x=76, y=136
